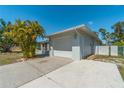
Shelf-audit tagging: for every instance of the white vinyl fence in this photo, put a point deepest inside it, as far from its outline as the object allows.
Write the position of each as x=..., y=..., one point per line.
x=102, y=50
x=109, y=50
x=114, y=51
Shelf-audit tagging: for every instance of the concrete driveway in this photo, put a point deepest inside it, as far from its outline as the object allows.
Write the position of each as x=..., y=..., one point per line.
x=83, y=74
x=17, y=74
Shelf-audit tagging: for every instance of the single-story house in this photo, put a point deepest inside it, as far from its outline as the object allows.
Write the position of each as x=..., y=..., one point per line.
x=75, y=43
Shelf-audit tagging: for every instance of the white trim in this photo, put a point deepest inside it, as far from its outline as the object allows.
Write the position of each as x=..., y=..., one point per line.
x=60, y=53
x=68, y=30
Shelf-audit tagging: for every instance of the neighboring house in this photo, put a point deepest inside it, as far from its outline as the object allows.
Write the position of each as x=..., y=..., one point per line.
x=43, y=47
x=76, y=43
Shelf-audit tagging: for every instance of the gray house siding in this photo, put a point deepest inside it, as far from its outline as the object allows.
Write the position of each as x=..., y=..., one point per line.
x=87, y=45
x=74, y=43
x=62, y=45
x=76, y=51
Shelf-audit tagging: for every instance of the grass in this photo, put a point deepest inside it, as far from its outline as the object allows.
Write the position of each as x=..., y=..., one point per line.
x=110, y=59
x=119, y=61
x=9, y=58
x=121, y=69
x=13, y=57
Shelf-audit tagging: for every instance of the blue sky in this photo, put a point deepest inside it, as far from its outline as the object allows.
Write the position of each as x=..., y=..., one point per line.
x=57, y=18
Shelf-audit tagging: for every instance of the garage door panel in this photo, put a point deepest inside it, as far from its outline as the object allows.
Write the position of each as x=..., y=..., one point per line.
x=63, y=44
x=59, y=53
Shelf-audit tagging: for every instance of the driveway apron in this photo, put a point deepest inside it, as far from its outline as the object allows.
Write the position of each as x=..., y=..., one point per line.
x=17, y=74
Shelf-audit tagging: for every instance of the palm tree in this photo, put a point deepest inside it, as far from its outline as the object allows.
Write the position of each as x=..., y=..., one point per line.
x=118, y=27
x=119, y=31
x=108, y=37
x=25, y=34
x=5, y=41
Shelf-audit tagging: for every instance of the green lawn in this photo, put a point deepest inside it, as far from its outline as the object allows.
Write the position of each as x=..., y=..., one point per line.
x=119, y=61
x=9, y=58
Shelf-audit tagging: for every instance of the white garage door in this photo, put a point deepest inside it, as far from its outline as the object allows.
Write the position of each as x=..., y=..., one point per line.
x=63, y=53
x=63, y=46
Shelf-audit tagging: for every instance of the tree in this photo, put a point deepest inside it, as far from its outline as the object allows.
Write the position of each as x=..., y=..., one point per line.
x=6, y=42
x=108, y=37
x=118, y=31
x=25, y=34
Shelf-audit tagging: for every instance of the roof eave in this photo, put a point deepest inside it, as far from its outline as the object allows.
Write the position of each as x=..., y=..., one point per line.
x=67, y=30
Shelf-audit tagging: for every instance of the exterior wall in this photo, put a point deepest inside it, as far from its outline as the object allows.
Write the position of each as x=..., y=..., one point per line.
x=62, y=46
x=73, y=45
x=76, y=49
x=66, y=45
x=63, y=43
x=87, y=45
